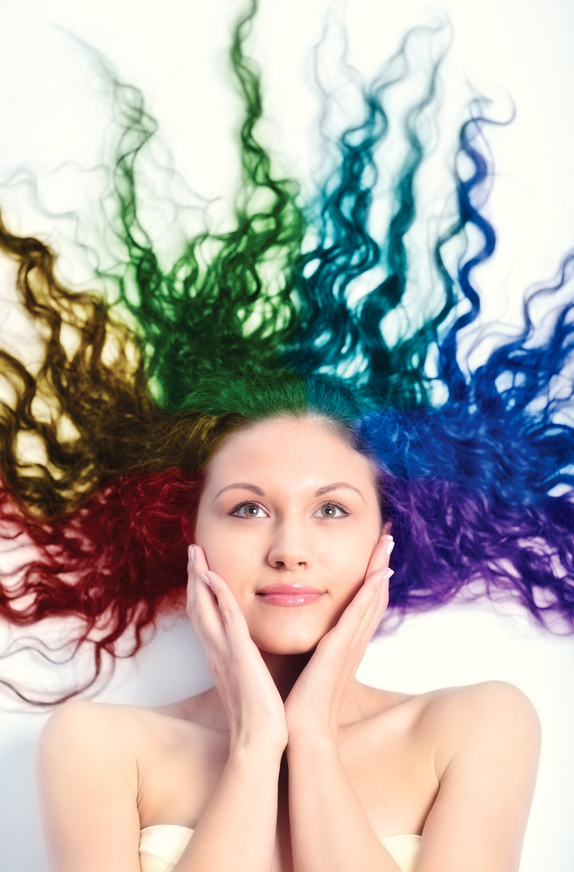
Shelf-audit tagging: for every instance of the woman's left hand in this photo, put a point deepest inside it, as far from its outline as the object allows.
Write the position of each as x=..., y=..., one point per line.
x=317, y=696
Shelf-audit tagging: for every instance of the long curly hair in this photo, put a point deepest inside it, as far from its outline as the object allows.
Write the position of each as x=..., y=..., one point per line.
x=104, y=441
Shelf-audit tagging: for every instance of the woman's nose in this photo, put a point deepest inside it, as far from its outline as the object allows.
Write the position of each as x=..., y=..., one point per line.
x=290, y=549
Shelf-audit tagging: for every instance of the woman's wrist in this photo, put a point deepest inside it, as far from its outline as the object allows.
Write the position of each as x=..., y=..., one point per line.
x=259, y=735
x=255, y=746
x=304, y=727
x=307, y=738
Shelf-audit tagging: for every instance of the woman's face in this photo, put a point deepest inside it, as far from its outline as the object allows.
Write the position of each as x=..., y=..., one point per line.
x=289, y=518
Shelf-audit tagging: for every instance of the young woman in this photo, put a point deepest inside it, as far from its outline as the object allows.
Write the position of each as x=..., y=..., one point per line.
x=289, y=763
x=134, y=406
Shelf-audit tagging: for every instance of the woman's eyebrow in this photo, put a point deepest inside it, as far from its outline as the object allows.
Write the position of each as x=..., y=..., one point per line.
x=327, y=488
x=338, y=485
x=243, y=485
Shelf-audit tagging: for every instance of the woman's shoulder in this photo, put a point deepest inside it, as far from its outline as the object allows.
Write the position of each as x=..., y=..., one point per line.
x=84, y=756
x=110, y=729
x=81, y=729
x=93, y=719
x=451, y=718
x=476, y=705
x=457, y=703
x=454, y=722
x=137, y=757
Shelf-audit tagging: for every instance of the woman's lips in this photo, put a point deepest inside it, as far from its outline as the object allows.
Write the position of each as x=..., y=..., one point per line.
x=289, y=595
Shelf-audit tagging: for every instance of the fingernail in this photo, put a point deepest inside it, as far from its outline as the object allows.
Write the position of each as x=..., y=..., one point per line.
x=191, y=554
x=388, y=574
x=204, y=578
x=390, y=546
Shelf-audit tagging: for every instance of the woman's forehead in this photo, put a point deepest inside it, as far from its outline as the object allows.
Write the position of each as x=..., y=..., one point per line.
x=289, y=446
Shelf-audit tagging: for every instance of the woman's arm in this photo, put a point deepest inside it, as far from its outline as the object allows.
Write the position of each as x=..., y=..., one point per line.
x=489, y=737
x=237, y=830
x=487, y=742
x=88, y=785
x=487, y=762
x=329, y=828
x=89, y=791
x=89, y=780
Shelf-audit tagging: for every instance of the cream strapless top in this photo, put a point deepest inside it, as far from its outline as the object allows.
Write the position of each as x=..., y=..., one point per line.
x=162, y=846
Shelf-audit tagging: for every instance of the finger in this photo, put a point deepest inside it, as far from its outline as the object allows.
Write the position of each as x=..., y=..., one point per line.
x=368, y=598
x=229, y=612
x=197, y=559
x=363, y=614
x=381, y=606
x=231, y=615
x=378, y=582
x=351, y=623
x=196, y=564
x=380, y=556
x=190, y=580
x=203, y=608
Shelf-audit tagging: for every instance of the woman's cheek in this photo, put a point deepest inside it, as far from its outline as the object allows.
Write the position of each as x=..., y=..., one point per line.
x=349, y=554
x=229, y=553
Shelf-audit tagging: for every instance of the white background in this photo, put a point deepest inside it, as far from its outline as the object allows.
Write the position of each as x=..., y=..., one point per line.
x=53, y=109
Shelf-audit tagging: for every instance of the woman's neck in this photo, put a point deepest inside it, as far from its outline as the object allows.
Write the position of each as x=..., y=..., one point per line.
x=285, y=669
x=206, y=707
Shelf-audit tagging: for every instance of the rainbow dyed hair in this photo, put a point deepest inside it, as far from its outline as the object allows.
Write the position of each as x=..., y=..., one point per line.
x=104, y=443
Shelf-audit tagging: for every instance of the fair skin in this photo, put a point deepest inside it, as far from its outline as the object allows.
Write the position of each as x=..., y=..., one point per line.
x=289, y=764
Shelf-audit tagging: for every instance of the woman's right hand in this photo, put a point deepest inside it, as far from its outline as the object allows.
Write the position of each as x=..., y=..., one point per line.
x=253, y=706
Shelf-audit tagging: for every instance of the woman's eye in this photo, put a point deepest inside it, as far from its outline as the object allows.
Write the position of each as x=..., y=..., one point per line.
x=332, y=510
x=249, y=510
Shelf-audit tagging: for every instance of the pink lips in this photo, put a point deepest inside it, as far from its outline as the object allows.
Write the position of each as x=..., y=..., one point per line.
x=289, y=595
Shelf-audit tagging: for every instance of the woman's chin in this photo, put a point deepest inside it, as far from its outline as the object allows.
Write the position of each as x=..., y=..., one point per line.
x=290, y=631
x=287, y=644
